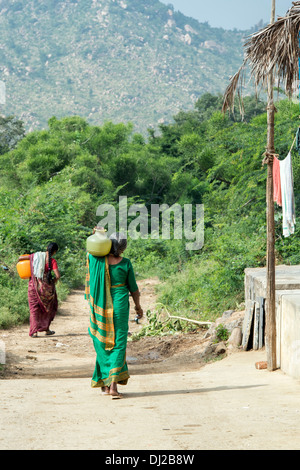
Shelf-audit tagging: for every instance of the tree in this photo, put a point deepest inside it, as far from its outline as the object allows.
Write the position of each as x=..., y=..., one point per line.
x=11, y=132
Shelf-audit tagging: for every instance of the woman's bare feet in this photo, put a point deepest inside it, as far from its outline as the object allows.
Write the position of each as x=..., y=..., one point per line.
x=105, y=390
x=114, y=391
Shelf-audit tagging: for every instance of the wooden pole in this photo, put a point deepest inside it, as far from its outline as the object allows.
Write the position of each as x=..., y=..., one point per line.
x=270, y=304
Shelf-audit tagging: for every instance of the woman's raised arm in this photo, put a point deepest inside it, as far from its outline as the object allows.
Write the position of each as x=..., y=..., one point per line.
x=24, y=257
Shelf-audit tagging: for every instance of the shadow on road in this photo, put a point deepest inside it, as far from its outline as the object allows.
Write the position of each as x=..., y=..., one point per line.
x=190, y=391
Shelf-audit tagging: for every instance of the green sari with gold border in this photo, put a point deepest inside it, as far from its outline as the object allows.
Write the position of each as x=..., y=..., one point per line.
x=107, y=291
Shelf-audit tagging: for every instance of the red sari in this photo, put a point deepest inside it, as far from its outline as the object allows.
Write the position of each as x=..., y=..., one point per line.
x=42, y=300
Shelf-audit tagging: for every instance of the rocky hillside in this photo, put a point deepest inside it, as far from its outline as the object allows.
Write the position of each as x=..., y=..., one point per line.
x=118, y=60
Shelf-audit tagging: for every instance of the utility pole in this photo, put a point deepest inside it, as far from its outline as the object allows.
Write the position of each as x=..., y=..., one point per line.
x=270, y=151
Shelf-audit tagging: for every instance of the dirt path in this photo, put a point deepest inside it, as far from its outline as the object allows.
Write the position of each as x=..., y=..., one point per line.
x=171, y=401
x=70, y=352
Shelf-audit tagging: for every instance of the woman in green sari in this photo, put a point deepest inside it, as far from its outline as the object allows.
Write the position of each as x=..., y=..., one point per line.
x=109, y=280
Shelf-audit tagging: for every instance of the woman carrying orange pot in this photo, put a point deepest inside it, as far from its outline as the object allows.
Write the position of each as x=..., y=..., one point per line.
x=42, y=297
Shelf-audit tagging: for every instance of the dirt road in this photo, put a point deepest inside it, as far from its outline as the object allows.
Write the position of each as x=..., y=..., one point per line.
x=172, y=401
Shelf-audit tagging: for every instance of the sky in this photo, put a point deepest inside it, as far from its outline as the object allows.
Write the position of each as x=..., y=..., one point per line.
x=230, y=14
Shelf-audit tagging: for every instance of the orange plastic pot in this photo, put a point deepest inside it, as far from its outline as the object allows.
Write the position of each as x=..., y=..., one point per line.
x=23, y=268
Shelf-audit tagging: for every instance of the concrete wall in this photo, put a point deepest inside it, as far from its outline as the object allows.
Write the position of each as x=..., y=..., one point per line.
x=290, y=333
x=287, y=281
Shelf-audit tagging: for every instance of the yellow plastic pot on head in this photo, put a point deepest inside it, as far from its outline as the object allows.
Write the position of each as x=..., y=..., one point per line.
x=98, y=244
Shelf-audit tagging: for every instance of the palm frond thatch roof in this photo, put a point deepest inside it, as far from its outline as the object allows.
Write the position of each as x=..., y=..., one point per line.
x=272, y=51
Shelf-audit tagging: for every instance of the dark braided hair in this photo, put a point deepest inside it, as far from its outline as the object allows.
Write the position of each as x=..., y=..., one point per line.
x=51, y=248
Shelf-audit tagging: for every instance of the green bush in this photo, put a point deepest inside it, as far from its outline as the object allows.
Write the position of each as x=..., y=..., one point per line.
x=222, y=334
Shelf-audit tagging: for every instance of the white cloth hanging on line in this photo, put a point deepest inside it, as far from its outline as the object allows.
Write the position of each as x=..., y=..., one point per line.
x=287, y=195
